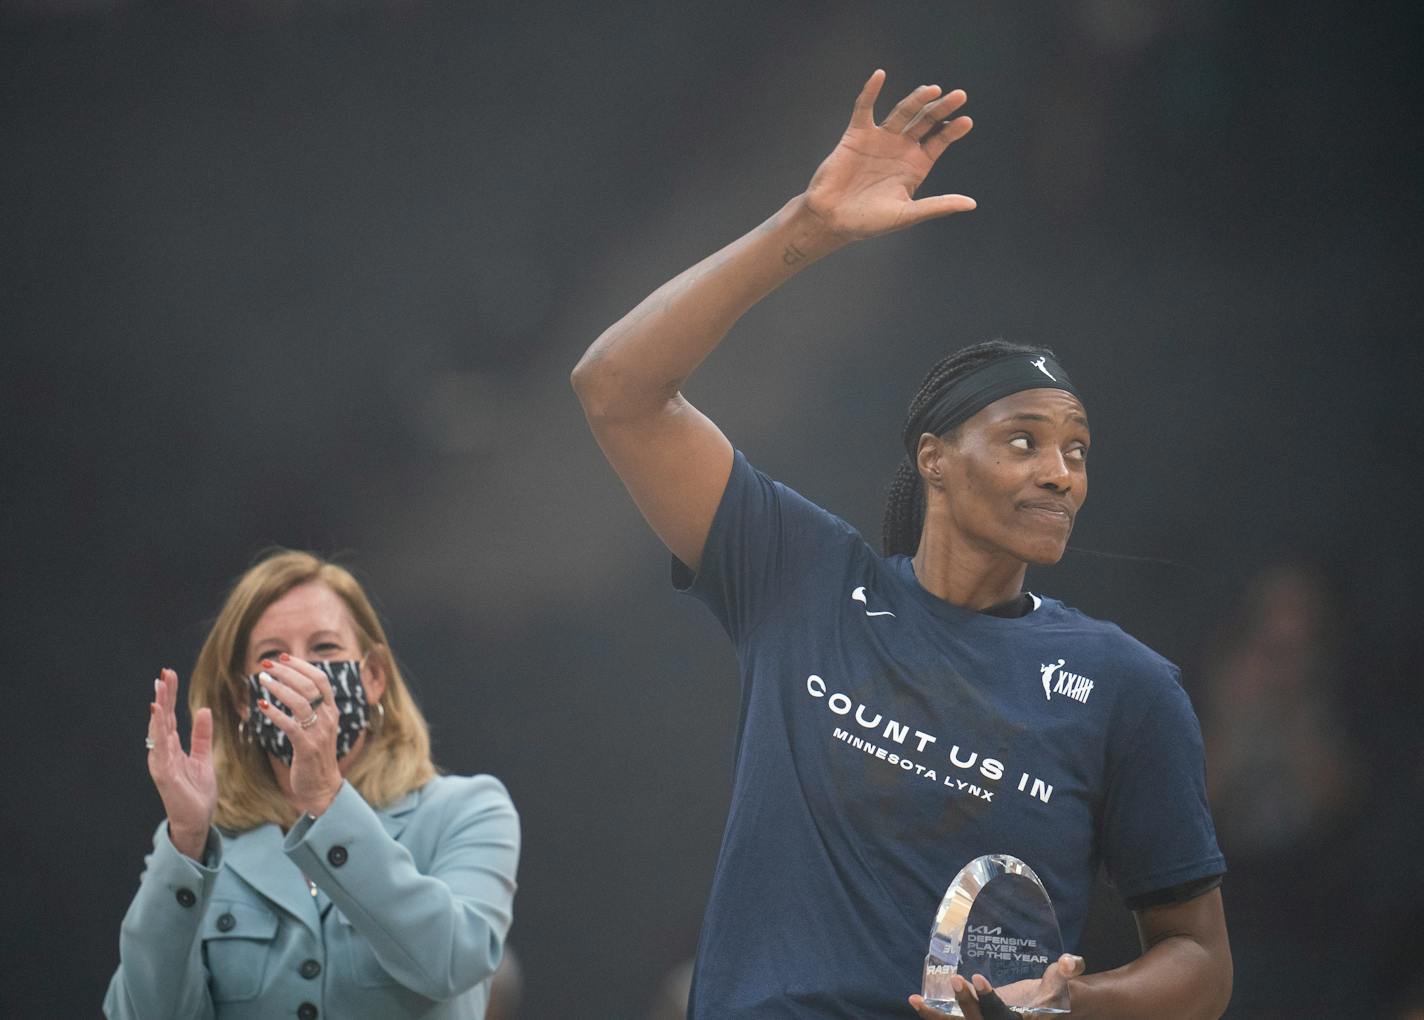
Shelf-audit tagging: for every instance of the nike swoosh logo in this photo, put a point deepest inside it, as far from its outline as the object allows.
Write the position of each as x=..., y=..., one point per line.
x=859, y=596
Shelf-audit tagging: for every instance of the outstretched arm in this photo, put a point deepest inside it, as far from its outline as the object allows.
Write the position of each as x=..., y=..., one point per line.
x=672, y=458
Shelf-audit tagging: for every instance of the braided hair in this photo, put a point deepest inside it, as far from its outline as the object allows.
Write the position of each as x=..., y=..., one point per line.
x=905, y=500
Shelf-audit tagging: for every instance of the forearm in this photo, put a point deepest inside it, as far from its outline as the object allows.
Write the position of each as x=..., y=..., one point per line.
x=1180, y=977
x=642, y=360
x=437, y=934
x=160, y=970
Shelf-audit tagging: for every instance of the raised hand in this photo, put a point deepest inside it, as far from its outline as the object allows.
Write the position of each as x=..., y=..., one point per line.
x=315, y=776
x=866, y=186
x=186, y=782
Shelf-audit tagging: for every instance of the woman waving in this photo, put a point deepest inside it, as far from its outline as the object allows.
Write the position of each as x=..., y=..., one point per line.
x=908, y=709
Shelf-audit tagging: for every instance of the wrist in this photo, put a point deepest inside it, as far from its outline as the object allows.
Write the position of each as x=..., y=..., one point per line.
x=191, y=843
x=317, y=806
x=808, y=233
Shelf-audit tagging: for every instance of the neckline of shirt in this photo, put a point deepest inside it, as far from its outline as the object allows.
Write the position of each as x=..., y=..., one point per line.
x=904, y=568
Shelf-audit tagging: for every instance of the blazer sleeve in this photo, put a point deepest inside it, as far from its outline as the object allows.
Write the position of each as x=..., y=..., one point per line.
x=438, y=932
x=161, y=973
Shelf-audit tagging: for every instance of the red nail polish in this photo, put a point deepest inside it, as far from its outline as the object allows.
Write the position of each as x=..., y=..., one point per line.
x=266, y=664
x=263, y=704
x=285, y=657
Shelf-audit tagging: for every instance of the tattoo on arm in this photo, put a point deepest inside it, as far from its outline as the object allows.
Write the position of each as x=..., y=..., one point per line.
x=793, y=255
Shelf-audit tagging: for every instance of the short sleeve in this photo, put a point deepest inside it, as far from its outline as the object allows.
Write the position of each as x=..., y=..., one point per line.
x=1156, y=826
x=764, y=534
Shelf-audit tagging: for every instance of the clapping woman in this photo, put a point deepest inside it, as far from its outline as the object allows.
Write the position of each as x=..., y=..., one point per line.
x=313, y=862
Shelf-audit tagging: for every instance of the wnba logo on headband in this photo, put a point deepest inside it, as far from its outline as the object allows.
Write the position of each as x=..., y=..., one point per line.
x=966, y=397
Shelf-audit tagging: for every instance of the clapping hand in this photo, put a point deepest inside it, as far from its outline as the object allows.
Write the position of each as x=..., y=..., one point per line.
x=186, y=782
x=866, y=186
x=315, y=776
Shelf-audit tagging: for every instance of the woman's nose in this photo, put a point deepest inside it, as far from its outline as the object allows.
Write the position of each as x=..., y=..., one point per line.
x=1054, y=473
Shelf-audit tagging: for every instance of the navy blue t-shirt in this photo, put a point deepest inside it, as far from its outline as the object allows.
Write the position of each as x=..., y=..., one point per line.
x=888, y=737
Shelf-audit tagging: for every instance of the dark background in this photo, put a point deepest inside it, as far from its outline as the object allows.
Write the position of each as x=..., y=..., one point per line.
x=314, y=274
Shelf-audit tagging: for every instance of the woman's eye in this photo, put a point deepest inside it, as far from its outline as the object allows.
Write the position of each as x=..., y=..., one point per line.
x=326, y=648
x=1021, y=443
x=1078, y=453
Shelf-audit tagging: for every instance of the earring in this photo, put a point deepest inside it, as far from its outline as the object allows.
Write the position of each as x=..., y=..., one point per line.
x=380, y=718
x=244, y=735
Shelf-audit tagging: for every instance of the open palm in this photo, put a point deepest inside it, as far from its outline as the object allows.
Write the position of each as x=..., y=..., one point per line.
x=978, y=1000
x=867, y=185
x=186, y=782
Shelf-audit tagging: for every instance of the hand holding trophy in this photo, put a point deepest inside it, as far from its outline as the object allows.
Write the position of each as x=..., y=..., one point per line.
x=996, y=921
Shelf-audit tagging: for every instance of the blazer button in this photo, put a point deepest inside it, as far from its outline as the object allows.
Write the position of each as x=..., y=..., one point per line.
x=186, y=898
x=310, y=969
x=336, y=856
x=306, y=1011
x=226, y=922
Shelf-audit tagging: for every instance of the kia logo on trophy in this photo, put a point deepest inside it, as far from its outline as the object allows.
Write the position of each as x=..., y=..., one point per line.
x=996, y=920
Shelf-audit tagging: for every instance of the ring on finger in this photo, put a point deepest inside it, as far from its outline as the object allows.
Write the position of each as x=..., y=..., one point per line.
x=308, y=723
x=148, y=742
x=316, y=702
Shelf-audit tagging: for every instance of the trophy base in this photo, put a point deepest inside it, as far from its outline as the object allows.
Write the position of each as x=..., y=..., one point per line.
x=952, y=1008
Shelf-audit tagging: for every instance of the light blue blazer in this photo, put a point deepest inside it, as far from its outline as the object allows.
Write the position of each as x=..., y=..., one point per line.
x=411, y=908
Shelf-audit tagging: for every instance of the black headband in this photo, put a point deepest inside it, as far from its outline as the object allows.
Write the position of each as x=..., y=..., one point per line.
x=966, y=397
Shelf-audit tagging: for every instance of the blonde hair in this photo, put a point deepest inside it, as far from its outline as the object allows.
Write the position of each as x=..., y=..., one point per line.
x=395, y=757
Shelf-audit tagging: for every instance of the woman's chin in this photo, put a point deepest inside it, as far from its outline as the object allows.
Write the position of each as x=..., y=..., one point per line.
x=1044, y=554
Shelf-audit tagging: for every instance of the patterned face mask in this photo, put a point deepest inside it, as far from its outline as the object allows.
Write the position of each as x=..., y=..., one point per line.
x=347, y=692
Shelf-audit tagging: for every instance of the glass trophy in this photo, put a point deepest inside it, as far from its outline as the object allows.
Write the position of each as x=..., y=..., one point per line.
x=996, y=920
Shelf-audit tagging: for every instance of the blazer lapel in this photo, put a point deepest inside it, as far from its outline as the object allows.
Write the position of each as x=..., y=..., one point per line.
x=256, y=856
x=395, y=816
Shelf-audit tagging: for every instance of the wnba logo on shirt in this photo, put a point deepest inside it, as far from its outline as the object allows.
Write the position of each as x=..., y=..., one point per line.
x=1068, y=684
